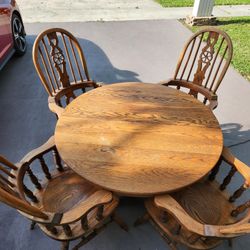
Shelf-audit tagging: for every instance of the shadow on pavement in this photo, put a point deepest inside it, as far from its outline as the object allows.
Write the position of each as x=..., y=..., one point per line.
x=25, y=120
x=234, y=135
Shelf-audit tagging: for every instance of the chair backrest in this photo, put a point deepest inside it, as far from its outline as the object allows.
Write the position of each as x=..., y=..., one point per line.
x=8, y=190
x=205, y=58
x=59, y=60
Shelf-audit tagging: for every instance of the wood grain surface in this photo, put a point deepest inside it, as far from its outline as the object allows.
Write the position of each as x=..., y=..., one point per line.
x=139, y=139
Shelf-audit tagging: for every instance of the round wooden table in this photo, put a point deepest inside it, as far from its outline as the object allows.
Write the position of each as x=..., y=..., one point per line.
x=139, y=139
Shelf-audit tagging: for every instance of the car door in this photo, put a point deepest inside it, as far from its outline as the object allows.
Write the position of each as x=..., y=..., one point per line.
x=6, y=42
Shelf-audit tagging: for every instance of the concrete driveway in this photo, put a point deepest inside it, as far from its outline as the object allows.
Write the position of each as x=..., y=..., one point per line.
x=112, y=10
x=115, y=51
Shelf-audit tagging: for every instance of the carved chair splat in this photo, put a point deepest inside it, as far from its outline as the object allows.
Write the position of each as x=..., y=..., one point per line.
x=61, y=66
x=203, y=64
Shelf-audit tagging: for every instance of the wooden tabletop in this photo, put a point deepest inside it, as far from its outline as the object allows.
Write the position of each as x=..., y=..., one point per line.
x=139, y=139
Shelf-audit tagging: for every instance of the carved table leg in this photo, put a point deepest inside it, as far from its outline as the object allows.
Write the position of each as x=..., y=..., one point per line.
x=141, y=220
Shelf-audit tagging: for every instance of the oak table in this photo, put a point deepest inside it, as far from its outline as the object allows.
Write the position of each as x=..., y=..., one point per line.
x=139, y=139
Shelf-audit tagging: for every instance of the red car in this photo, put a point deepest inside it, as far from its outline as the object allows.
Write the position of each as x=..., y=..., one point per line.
x=12, y=33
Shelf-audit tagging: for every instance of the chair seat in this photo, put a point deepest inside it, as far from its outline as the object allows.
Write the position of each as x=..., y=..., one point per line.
x=63, y=192
x=205, y=203
x=94, y=225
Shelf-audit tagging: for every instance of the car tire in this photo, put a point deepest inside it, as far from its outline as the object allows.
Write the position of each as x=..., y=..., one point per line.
x=18, y=34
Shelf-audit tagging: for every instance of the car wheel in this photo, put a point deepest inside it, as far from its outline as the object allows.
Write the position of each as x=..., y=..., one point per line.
x=18, y=35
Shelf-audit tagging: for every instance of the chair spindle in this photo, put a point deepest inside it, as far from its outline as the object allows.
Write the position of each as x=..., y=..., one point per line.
x=30, y=194
x=99, y=214
x=52, y=229
x=240, y=209
x=67, y=230
x=228, y=178
x=45, y=168
x=33, y=178
x=215, y=170
x=57, y=160
x=84, y=222
x=238, y=193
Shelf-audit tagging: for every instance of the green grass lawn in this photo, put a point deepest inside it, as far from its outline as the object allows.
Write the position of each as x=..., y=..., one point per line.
x=184, y=3
x=238, y=29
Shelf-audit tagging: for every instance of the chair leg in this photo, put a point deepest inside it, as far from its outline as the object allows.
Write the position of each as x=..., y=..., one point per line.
x=141, y=220
x=172, y=244
x=65, y=245
x=230, y=242
x=84, y=240
x=32, y=225
x=120, y=222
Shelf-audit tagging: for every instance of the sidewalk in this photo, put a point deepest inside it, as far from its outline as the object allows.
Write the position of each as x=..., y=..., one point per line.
x=112, y=10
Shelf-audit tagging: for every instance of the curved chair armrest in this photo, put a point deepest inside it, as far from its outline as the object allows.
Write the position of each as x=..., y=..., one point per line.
x=100, y=197
x=169, y=204
x=165, y=82
x=54, y=107
x=241, y=167
x=228, y=231
x=209, y=95
x=240, y=229
x=197, y=88
x=38, y=151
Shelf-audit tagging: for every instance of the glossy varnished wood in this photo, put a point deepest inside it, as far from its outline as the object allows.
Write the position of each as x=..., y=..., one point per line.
x=139, y=139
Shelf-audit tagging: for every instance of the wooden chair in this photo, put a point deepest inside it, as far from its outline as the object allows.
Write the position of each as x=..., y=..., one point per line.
x=47, y=192
x=203, y=64
x=61, y=66
x=202, y=215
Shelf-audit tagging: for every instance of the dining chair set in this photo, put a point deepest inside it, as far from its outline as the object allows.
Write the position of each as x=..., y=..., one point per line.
x=46, y=189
